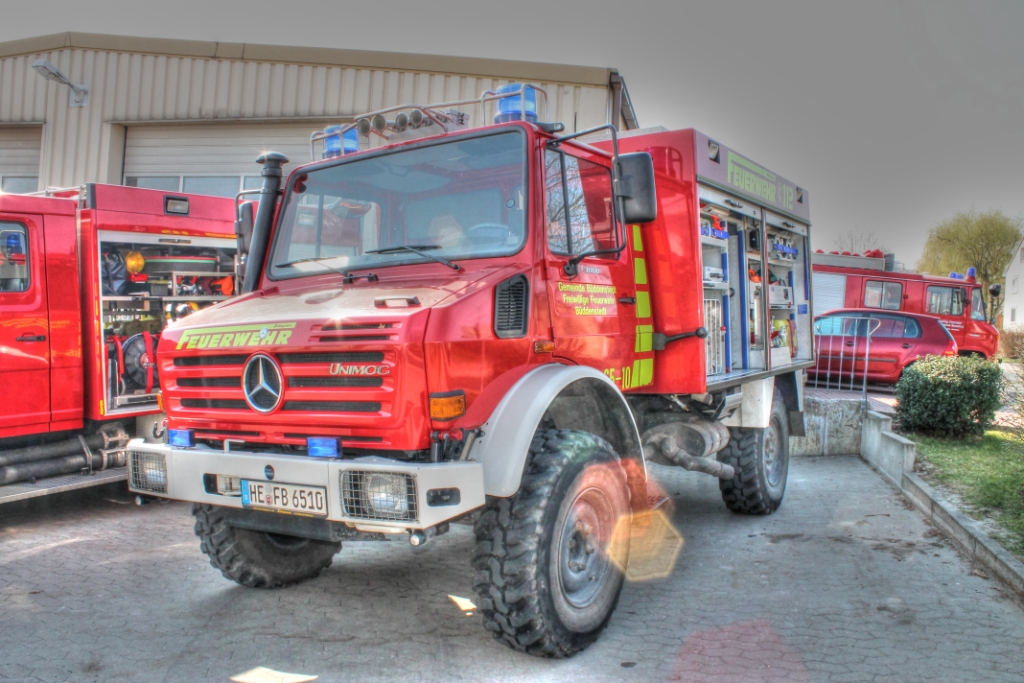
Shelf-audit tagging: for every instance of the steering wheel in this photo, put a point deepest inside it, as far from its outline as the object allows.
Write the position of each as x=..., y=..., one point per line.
x=488, y=232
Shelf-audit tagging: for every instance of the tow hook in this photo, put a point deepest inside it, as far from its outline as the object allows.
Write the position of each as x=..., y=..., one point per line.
x=420, y=537
x=159, y=429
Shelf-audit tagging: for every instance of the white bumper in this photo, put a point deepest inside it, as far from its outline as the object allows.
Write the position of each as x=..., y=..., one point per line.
x=188, y=470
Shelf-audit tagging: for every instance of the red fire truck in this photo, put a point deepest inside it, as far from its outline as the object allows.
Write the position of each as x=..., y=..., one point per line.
x=869, y=281
x=89, y=277
x=504, y=321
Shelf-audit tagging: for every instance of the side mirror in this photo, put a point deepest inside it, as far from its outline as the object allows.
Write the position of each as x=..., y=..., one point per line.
x=243, y=233
x=994, y=292
x=637, y=187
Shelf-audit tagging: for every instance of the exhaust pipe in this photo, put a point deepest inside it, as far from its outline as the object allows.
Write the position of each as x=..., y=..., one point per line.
x=272, y=173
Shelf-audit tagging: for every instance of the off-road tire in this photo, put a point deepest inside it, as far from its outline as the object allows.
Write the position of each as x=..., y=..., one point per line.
x=760, y=481
x=522, y=541
x=256, y=559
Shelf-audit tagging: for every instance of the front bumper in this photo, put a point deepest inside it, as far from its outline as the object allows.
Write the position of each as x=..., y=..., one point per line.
x=188, y=474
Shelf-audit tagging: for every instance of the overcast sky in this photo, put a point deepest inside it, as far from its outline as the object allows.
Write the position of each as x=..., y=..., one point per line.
x=892, y=114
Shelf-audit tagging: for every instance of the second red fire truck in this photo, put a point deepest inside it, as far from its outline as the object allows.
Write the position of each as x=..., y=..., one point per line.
x=870, y=281
x=503, y=321
x=89, y=278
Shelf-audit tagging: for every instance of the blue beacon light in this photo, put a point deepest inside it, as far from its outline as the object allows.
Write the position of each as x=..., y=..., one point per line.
x=333, y=144
x=516, y=108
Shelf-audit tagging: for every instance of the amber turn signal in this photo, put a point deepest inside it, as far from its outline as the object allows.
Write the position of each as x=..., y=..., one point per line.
x=447, y=406
x=545, y=346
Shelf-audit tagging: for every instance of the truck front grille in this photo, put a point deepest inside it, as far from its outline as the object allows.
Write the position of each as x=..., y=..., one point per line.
x=333, y=406
x=214, y=403
x=193, y=361
x=301, y=382
x=388, y=496
x=340, y=357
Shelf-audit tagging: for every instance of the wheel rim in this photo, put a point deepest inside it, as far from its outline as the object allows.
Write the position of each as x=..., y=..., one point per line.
x=772, y=455
x=583, y=564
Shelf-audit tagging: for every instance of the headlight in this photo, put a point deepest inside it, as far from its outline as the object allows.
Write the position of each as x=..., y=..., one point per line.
x=387, y=495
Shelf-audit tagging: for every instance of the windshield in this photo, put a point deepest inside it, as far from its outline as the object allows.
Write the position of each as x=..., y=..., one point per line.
x=456, y=200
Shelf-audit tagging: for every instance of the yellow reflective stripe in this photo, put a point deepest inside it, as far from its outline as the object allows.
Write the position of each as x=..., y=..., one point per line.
x=645, y=373
x=643, y=304
x=638, y=243
x=640, y=271
x=644, y=338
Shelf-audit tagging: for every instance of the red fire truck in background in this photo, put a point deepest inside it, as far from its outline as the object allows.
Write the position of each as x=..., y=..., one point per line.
x=504, y=321
x=870, y=281
x=89, y=278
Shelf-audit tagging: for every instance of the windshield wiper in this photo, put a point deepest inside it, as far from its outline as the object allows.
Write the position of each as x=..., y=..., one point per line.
x=417, y=249
x=349, y=278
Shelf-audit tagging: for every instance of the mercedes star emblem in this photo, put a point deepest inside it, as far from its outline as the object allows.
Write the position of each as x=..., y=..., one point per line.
x=262, y=382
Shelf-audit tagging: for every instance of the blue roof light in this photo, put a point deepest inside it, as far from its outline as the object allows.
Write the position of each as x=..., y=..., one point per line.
x=972, y=272
x=523, y=107
x=332, y=144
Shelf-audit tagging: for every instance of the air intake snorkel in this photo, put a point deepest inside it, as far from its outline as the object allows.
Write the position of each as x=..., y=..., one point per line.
x=272, y=173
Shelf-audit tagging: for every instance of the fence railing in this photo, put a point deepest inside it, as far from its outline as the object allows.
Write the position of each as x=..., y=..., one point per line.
x=842, y=350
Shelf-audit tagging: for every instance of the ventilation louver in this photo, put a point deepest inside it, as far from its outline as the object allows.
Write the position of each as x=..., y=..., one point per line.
x=510, y=307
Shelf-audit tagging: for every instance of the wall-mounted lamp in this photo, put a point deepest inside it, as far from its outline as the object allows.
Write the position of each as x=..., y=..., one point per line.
x=79, y=91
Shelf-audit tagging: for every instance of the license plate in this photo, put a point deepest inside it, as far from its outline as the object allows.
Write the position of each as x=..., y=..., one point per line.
x=306, y=500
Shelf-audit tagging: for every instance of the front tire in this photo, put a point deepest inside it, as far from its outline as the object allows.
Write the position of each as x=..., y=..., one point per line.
x=546, y=583
x=761, y=460
x=257, y=559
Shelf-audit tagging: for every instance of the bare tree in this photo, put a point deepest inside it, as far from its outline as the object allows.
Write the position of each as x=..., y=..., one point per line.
x=857, y=242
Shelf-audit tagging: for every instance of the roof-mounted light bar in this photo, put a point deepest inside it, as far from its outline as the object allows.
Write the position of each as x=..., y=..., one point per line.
x=443, y=114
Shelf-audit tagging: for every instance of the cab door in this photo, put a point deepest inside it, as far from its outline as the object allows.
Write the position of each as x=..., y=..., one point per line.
x=601, y=314
x=947, y=303
x=24, y=327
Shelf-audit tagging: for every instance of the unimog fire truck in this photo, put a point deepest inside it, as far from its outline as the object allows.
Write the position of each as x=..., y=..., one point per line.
x=89, y=277
x=438, y=320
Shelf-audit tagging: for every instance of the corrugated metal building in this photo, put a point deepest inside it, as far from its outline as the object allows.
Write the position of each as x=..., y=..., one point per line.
x=192, y=116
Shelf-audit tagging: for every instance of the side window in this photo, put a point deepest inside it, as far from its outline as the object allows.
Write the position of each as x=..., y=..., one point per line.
x=885, y=295
x=978, y=305
x=579, y=210
x=885, y=326
x=14, y=265
x=912, y=329
x=945, y=300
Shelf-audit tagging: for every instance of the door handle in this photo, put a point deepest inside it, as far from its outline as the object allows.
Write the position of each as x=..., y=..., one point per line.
x=849, y=343
x=31, y=338
x=907, y=346
x=627, y=300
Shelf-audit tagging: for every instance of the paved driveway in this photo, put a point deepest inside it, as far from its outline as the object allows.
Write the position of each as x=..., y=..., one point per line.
x=844, y=583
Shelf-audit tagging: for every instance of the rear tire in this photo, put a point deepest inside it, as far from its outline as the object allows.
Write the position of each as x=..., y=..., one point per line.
x=256, y=559
x=545, y=583
x=761, y=460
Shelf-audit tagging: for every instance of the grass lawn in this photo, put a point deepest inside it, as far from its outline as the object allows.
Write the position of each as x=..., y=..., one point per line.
x=987, y=473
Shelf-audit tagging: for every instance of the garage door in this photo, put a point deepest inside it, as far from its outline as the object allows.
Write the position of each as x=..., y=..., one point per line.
x=829, y=292
x=19, y=158
x=216, y=159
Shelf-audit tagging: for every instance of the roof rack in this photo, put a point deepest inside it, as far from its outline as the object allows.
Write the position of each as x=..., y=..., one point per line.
x=424, y=116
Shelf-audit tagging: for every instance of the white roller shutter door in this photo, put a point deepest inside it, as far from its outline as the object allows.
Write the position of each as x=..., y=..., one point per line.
x=19, y=158
x=155, y=155
x=829, y=292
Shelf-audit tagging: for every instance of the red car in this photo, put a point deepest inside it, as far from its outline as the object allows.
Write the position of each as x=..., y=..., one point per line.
x=847, y=337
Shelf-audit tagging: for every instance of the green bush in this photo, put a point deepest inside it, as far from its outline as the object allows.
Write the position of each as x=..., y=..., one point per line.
x=948, y=395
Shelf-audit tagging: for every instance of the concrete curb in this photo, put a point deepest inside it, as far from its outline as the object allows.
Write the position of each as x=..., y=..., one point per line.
x=893, y=457
x=965, y=532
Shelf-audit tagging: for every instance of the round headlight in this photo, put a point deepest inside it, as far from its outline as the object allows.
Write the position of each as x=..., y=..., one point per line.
x=386, y=494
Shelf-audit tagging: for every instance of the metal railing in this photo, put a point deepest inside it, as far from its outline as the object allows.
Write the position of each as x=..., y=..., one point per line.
x=842, y=352
x=430, y=113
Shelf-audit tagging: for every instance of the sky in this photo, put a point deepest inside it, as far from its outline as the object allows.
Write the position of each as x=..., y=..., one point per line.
x=893, y=115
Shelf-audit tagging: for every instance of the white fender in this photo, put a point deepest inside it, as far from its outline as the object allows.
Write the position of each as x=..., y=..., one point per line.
x=505, y=444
